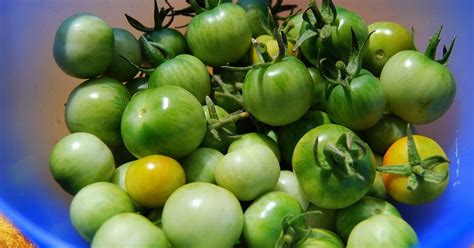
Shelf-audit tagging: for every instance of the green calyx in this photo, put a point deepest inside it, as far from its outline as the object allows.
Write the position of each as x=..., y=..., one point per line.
x=341, y=155
x=343, y=72
x=417, y=169
x=321, y=21
x=216, y=125
x=159, y=15
x=430, y=51
x=293, y=232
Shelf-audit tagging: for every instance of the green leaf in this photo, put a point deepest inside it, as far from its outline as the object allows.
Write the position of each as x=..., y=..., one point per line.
x=447, y=52
x=324, y=165
x=308, y=34
x=413, y=156
x=412, y=182
x=328, y=11
x=430, y=51
x=403, y=169
x=138, y=25
x=434, y=177
x=433, y=161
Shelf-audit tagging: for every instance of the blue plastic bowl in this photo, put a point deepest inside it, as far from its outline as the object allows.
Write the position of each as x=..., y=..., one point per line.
x=33, y=91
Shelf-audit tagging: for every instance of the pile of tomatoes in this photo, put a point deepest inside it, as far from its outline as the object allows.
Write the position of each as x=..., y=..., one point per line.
x=261, y=126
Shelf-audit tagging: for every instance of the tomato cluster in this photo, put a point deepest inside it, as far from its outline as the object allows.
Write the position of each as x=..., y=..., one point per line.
x=253, y=129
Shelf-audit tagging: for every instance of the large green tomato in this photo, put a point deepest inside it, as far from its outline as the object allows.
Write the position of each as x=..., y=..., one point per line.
x=220, y=35
x=383, y=230
x=185, y=71
x=96, y=107
x=280, y=93
x=126, y=45
x=387, y=39
x=335, y=168
x=167, y=120
x=80, y=159
x=129, y=230
x=264, y=217
x=360, y=106
x=84, y=46
x=418, y=89
x=202, y=215
x=365, y=208
x=248, y=172
x=96, y=203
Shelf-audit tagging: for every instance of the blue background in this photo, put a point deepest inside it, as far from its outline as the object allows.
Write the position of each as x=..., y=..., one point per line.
x=33, y=91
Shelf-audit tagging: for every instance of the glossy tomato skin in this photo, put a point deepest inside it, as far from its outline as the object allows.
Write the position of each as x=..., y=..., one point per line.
x=383, y=230
x=96, y=107
x=257, y=12
x=152, y=179
x=126, y=45
x=263, y=218
x=327, y=188
x=159, y=121
x=387, y=39
x=339, y=44
x=83, y=46
x=290, y=134
x=185, y=71
x=129, y=230
x=202, y=215
x=80, y=159
x=200, y=165
x=209, y=139
x=170, y=39
x=248, y=172
x=322, y=238
x=253, y=138
x=418, y=89
x=396, y=185
x=287, y=182
x=220, y=35
x=360, y=107
x=96, y=203
x=365, y=208
x=386, y=131
x=280, y=93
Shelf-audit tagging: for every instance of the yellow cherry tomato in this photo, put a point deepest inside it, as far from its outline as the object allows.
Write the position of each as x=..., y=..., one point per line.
x=272, y=48
x=151, y=180
x=397, y=185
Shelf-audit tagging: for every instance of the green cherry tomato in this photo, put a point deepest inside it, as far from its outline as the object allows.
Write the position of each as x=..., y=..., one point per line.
x=264, y=217
x=200, y=165
x=185, y=71
x=386, y=131
x=96, y=107
x=332, y=173
x=326, y=219
x=83, y=46
x=129, y=230
x=249, y=139
x=359, y=107
x=96, y=203
x=287, y=182
x=248, y=172
x=137, y=84
x=322, y=238
x=80, y=159
x=221, y=144
x=290, y=134
x=152, y=179
x=383, y=230
x=288, y=90
x=170, y=39
x=365, y=208
x=167, y=120
x=126, y=45
x=220, y=35
x=257, y=13
x=387, y=39
x=417, y=88
x=202, y=215
x=320, y=85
